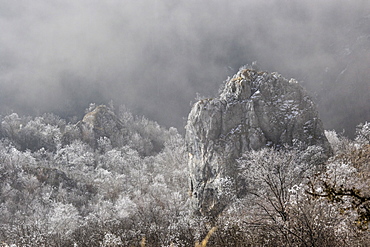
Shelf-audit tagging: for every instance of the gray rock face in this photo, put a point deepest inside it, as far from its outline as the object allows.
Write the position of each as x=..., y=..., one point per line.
x=101, y=122
x=254, y=110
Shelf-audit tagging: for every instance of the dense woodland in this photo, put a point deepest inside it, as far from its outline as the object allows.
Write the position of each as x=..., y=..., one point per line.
x=56, y=189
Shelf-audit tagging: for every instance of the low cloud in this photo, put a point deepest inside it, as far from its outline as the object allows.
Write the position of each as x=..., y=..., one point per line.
x=154, y=56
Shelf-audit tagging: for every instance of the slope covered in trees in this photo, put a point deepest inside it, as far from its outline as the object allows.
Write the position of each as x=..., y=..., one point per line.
x=59, y=189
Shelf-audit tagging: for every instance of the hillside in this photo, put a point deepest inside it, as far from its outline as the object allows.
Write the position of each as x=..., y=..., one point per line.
x=114, y=179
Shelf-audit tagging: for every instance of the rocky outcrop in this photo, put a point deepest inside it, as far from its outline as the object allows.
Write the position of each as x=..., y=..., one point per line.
x=101, y=122
x=254, y=110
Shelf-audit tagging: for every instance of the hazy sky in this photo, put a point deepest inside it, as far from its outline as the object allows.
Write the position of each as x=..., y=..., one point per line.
x=155, y=55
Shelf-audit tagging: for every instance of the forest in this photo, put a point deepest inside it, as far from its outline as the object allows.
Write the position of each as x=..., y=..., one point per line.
x=60, y=188
x=273, y=164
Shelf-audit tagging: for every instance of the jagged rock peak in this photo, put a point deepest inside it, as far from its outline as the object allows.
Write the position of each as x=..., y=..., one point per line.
x=247, y=82
x=255, y=109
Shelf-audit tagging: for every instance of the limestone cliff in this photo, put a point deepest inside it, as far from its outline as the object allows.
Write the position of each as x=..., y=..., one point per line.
x=254, y=110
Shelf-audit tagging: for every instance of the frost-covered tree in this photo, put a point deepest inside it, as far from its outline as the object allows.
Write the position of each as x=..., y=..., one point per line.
x=63, y=219
x=36, y=134
x=269, y=174
x=277, y=210
x=70, y=134
x=10, y=126
x=363, y=133
x=346, y=184
x=58, y=190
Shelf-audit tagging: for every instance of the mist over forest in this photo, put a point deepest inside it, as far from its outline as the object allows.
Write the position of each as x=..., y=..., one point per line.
x=155, y=56
x=102, y=142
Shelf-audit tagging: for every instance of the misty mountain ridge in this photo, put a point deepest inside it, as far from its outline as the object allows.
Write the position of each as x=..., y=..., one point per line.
x=253, y=164
x=73, y=53
x=50, y=132
x=262, y=160
x=119, y=125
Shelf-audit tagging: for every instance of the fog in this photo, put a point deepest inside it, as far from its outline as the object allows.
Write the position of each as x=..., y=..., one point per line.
x=154, y=56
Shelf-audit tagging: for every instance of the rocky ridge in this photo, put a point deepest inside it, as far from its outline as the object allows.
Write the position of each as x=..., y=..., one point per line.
x=255, y=109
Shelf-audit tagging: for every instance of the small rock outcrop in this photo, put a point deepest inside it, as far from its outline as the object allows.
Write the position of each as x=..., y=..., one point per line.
x=254, y=110
x=101, y=122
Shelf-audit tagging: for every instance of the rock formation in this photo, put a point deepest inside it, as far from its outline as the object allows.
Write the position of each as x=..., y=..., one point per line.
x=101, y=122
x=254, y=110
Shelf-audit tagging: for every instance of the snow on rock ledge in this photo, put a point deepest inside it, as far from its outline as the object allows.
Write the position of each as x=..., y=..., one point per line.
x=254, y=110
